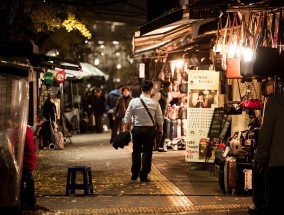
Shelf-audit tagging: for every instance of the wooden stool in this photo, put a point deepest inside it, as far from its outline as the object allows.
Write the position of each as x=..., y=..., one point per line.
x=71, y=175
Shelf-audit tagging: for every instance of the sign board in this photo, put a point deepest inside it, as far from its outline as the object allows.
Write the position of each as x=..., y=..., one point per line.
x=141, y=70
x=216, y=123
x=225, y=126
x=203, y=91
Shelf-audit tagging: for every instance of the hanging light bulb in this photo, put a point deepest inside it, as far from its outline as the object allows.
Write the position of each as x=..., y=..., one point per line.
x=247, y=54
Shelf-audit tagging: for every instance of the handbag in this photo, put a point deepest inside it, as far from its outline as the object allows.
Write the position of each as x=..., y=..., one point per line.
x=249, y=102
x=233, y=107
x=267, y=58
x=233, y=60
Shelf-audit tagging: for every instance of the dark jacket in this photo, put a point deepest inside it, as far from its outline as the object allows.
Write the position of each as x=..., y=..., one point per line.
x=163, y=102
x=49, y=110
x=111, y=99
x=99, y=105
x=121, y=106
x=121, y=140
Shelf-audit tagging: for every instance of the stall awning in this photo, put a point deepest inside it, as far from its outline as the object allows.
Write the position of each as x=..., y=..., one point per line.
x=167, y=29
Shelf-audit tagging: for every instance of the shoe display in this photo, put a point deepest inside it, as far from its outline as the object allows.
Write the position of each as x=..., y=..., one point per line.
x=145, y=180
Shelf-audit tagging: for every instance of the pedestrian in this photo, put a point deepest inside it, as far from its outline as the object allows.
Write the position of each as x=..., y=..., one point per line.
x=270, y=151
x=119, y=111
x=99, y=109
x=29, y=159
x=164, y=98
x=49, y=113
x=29, y=165
x=143, y=132
x=111, y=101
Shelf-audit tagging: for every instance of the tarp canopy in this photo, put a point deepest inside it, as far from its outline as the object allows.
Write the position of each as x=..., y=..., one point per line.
x=94, y=71
x=87, y=70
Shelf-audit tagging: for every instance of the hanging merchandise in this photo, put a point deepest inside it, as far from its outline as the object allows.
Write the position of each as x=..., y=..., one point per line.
x=233, y=51
x=48, y=78
x=248, y=56
x=233, y=107
x=249, y=102
x=218, y=48
x=267, y=57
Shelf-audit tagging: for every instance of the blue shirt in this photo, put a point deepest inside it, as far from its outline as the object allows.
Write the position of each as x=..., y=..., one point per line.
x=140, y=116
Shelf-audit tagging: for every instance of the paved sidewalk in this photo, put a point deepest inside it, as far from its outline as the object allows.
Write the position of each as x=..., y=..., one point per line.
x=177, y=187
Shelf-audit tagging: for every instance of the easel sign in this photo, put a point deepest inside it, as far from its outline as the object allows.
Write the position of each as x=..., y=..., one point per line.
x=216, y=123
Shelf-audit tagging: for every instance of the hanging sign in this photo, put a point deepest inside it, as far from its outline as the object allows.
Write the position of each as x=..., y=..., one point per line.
x=141, y=70
x=48, y=78
x=60, y=76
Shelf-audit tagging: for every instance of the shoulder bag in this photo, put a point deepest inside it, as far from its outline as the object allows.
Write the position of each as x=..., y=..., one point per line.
x=146, y=108
x=157, y=136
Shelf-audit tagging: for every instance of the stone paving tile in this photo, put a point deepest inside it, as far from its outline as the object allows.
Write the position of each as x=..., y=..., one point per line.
x=175, y=189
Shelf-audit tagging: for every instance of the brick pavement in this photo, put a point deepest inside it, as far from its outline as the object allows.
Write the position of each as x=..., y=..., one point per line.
x=176, y=188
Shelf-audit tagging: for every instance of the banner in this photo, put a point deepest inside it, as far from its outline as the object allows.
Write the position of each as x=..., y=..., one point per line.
x=203, y=92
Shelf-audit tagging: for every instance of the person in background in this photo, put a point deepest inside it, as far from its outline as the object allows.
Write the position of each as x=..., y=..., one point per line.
x=29, y=165
x=270, y=151
x=49, y=113
x=29, y=160
x=119, y=111
x=49, y=108
x=111, y=101
x=99, y=109
x=163, y=97
x=143, y=132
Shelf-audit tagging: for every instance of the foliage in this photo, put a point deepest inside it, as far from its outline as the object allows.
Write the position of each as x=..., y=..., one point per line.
x=49, y=17
x=72, y=24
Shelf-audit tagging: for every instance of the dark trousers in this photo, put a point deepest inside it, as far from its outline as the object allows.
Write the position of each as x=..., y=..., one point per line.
x=164, y=136
x=46, y=134
x=99, y=123
x=117, y=128
x=276, y=188
x=143, y=138
x=110, y=120
x=28, y=188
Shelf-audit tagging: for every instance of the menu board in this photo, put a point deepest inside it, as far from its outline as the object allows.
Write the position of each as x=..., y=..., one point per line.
x=225, y=126
x=216, y=123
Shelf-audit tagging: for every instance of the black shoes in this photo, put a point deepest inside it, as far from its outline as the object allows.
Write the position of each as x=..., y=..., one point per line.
x=134, y=178
x=145, y=180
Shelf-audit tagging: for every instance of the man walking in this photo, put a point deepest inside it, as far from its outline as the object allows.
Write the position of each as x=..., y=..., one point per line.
x=111, y=101
x=143, y=132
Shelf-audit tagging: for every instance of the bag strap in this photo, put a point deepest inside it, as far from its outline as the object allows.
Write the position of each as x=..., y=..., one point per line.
x=239, y=89
x=146, y=108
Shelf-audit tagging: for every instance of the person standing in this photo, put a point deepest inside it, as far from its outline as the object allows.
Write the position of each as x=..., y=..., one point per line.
x=99, y=109
x=29, y=165
x=111, y=101
x=143, y=132
x=49, y=113
x=163, y=97
x=270, y=151
x=119, y=111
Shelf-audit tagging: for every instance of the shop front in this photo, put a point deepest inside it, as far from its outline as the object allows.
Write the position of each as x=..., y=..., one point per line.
x=231, y=59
